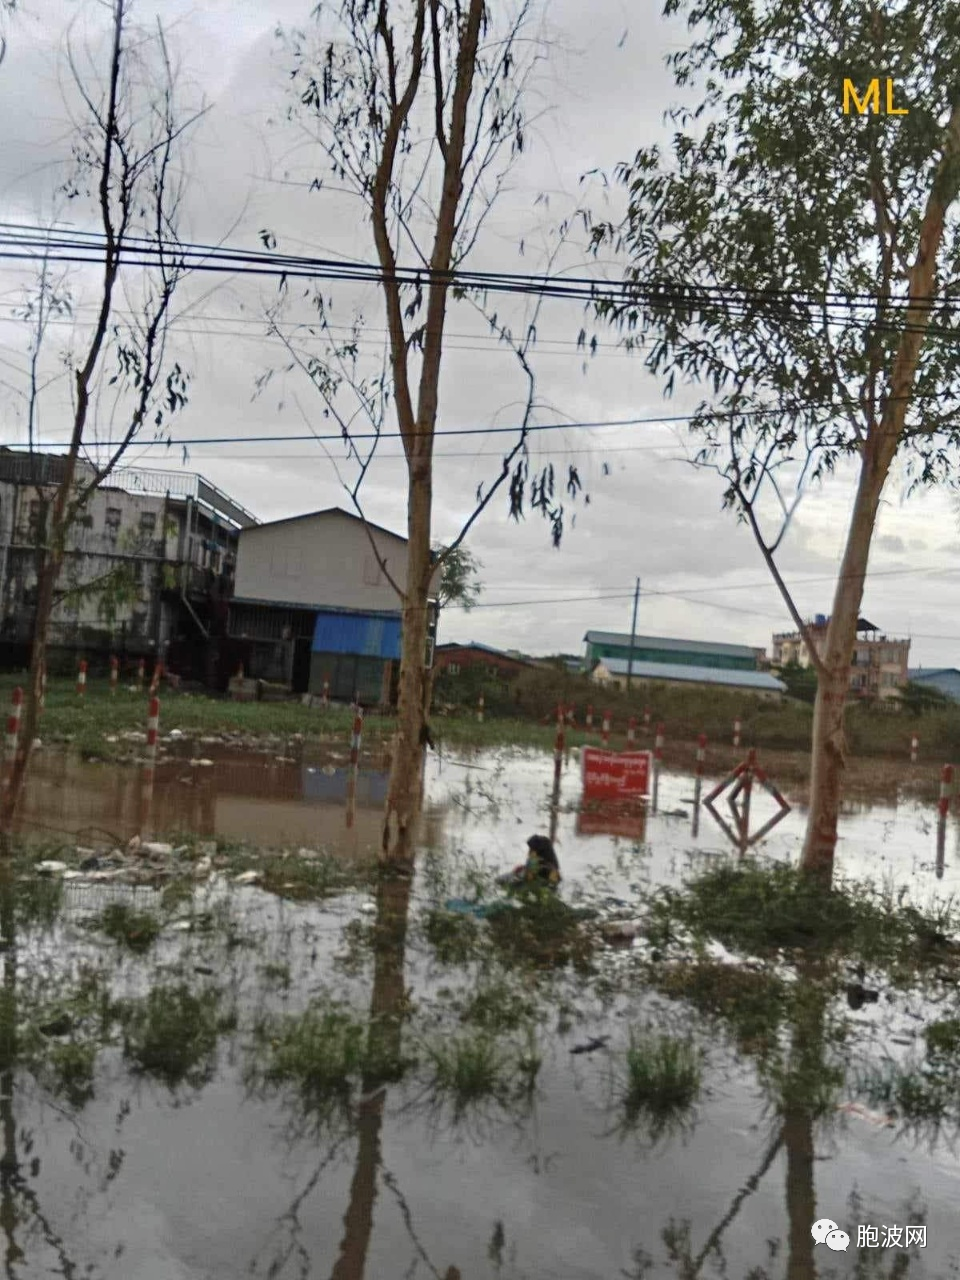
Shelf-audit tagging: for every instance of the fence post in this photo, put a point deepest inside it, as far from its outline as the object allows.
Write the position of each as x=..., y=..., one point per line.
x=146, y=781
x=82, y=678
x=605, y=731
x=326, y=691
x=356, y=737
x=698, y=780
x=632, y=730
x=646, y=719
x=114, y=675
x=914, y=748
x=141, y=671
x=13, y=722
x=657, y=758
x=480, y=709
x=355, y=744
x=744, y=823
x=736, y=733
x=943, y=808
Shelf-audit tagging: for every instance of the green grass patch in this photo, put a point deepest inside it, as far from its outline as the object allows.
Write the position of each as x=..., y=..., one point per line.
x=324, y=1054
x=172, y=1033
x=136, y=930
x=663, y=1077
x=761, y=910
x=752, y=1004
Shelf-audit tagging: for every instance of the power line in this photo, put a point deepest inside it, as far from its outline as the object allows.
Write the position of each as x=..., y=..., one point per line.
x=535, y=428
x=36, y=244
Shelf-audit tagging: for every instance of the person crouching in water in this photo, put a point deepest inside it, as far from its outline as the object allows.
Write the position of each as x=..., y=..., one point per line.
x=542, y=868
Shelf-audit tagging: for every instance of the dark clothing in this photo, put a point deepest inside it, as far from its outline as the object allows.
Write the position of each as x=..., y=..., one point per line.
x=543, y=860
x=541, y=868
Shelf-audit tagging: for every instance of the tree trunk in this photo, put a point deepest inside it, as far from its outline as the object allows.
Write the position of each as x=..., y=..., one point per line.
x=46, y=585
x=828, y=748
x=406, y=766
x=384, y=1043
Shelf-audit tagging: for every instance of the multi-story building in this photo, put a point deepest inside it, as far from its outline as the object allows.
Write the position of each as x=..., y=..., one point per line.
x=148, y=570
x=879, y=667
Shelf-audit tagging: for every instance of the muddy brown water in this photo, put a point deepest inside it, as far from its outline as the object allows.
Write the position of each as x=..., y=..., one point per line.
x=217, y=1182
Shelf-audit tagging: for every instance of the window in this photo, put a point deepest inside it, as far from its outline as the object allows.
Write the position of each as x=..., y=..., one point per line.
x=454, y=668
x=148, y=523
x=112, y=520
x=35, y=518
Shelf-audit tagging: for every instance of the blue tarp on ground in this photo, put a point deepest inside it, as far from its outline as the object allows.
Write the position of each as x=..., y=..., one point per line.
x=365, y=634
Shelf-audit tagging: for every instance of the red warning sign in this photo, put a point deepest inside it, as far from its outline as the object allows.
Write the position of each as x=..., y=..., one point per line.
x=613, y=775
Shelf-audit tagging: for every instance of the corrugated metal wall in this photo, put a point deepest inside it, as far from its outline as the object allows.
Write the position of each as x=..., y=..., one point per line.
x=368, y=635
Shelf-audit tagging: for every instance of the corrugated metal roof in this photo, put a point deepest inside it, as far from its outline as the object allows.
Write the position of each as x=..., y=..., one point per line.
x=366, y=634
x=759, y=680
x=483, y=648
x=663, y=642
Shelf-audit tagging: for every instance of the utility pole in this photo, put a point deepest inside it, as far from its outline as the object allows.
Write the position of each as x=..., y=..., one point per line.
x=633, y=633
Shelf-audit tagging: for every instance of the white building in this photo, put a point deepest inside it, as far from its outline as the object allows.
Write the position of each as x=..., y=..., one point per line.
x=313, y=605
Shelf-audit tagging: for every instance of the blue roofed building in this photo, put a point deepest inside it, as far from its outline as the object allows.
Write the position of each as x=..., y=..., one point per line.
x=316, y=603
x=945, y=680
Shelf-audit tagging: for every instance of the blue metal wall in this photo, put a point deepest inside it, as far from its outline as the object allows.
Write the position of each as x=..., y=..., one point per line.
x=363, y=634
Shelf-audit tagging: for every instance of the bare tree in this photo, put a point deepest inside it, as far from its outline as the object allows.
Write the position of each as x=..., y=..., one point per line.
x=417, y=108
x=127, y=155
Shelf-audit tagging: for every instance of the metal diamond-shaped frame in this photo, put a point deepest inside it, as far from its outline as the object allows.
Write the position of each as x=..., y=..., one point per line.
x=738, y=801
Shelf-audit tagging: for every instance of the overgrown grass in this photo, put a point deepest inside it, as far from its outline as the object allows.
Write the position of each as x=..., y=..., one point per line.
x=172, y=1033
x=477, y=1065
x=663, y=1079
x=762, y=910
x=527, y=722
x=136, y=930
x=324, y=1054
x=753, y=1005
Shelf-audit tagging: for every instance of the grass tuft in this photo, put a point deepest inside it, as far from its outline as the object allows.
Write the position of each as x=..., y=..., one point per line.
x=172, y=1034
x=137, y=930
x=663, y=1078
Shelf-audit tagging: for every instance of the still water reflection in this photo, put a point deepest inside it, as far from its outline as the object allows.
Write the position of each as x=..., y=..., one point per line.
x=148, y=1179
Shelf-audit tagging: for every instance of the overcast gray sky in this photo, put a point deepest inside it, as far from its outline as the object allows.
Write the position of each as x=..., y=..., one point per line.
x=601, y=92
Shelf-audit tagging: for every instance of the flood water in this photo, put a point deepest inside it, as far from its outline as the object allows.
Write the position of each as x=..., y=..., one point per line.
x=222, y=1176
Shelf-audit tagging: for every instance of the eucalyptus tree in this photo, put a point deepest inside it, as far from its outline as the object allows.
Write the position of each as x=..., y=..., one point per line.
x=794, y=253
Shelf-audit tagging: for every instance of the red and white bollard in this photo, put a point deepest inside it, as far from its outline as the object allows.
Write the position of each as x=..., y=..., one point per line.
x=561, y=715
x=114, y=674
x=356, y=737
x=141, y=672
x=480, y=710
x=326, y=691
x=355, y=745
x=914, y=748
x=646, y=718
x=736, y=733
x=698, y=780
x=13, y=722
x=589, y=718
x=605, y=732
x=157, y=677
x=943, y=808
x=153, y=727
x=657, y=761
x=150, y=760
x=632, y=730
x=82, y=678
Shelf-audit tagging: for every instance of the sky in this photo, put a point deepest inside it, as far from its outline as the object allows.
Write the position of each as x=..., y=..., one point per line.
x=598, y=92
